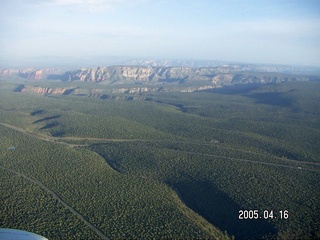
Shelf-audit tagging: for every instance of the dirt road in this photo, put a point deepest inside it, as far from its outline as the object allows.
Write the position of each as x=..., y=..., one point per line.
x=59, y=199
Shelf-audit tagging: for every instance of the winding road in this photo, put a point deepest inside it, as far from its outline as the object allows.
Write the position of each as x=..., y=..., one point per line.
x=59, y=199
x=61, y=139
x=48, y=190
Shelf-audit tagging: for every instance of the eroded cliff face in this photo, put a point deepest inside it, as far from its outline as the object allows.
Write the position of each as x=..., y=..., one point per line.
x=30, y=73
x=139, y=74
x=44, y=90
x=136, y=80
x=101, y=93
x=217, y=76
x=111, y=74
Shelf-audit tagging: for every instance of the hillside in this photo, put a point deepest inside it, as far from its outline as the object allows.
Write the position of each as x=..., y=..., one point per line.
x=184, y=164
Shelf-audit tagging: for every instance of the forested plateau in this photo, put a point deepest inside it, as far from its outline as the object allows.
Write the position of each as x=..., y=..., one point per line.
x=93, y=161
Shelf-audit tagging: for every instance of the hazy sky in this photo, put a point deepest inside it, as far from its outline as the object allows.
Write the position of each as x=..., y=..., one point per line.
x=256, y=31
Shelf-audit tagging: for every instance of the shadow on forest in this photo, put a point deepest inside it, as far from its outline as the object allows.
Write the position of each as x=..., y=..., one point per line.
x=49, y=125
x=58, y=134
x=37, y=112
x=271, y=98
x=113, y=163
x=220, y=210
x=234, y=89
x=46, y=119
x=19, y=88
x=104, y=97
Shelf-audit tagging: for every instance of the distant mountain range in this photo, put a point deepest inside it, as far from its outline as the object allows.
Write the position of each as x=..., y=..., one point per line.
x=211, y=63
x=216, y=76
x=72, y=62
x=142, y=72
x=145, y=77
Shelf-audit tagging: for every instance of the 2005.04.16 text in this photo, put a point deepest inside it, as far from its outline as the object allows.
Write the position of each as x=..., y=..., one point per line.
x=266, y=214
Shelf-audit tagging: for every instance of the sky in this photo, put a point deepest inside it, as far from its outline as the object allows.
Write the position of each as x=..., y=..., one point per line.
x=249, y=31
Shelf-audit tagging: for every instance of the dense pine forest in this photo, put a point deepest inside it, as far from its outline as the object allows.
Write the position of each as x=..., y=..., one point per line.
x=164, y=165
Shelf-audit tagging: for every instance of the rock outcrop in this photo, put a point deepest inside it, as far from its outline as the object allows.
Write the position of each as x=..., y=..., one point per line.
x=8, y=72
x=36, y=74
x=30, y=73
x=45, y=90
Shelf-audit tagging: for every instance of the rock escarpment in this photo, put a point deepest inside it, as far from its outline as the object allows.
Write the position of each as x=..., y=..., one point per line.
x=137, y=80
x=218, y=76
x=45, y=90
x=142, y=74
x=215, y=76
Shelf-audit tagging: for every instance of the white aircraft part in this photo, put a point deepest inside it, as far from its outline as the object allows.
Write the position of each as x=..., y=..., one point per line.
x=13, y=234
